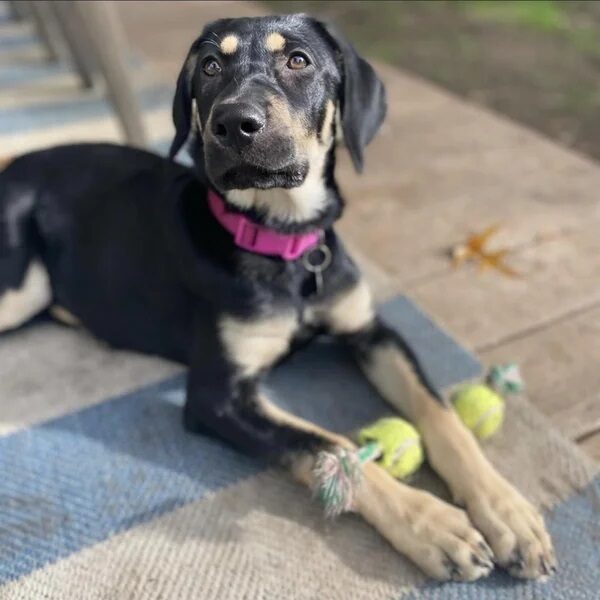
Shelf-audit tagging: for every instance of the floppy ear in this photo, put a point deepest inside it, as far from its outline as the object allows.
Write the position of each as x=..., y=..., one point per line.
x=363, y=99
x=182, y=103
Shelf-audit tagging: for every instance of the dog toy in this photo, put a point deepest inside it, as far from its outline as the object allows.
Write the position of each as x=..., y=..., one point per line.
x=480, y=408
x=506, y=379
x=398, y=443
x=337, y=476
x=394, y=443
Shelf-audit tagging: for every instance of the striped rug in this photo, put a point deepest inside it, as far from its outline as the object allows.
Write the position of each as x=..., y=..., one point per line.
x=103, y=496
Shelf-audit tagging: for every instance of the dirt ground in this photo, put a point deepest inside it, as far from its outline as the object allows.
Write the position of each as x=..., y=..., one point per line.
x=536, y=61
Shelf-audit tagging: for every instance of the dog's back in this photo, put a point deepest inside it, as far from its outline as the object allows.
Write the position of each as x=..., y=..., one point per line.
x=81, y=222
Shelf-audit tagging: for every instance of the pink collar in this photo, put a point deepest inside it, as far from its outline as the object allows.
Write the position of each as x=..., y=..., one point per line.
x=257, y=238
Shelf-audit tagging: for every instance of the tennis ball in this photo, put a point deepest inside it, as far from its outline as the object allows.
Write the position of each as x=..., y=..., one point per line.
x=480, y=409
x=399, y=444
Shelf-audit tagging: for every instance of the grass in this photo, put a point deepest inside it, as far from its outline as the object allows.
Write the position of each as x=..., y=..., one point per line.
x=549, y=16
x=544, y=15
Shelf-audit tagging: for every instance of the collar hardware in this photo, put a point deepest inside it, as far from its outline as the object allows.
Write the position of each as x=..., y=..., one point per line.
x=316, y=261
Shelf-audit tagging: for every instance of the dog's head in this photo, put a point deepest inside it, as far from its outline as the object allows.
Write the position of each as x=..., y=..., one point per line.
x=264, y=96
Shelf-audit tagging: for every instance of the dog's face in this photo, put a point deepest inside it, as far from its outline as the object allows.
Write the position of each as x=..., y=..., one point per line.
x=263, y=97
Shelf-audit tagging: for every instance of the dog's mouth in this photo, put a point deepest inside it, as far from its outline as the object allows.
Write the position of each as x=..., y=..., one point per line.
x=270, y=161
x=245, y=176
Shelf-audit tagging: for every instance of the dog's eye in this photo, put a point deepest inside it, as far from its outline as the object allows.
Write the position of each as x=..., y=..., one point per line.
x=211, y=67
x=297, y=61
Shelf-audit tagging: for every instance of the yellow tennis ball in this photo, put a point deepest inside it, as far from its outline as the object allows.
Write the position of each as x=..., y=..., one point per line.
x=400, y=445
x=480, y=409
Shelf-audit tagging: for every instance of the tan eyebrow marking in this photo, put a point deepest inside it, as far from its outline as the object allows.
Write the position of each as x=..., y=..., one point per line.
x=274, y=42
x=229, y=44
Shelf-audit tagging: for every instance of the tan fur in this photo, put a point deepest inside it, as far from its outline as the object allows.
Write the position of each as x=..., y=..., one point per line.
x=395, y=379
x=351, y=311
x=303, y=202
x=34, y=295
x=64, y=316
x=229, y=44
x=257, y=344
x=274, y=42
x=417, y=524
x=283, y=417
x=327, y=121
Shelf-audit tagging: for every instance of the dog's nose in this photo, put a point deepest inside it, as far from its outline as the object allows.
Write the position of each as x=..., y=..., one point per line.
x=237, y=124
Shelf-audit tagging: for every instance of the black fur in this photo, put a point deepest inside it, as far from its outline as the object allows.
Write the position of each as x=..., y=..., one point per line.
x=133, y=251
x=377, y=334
x=363, y=101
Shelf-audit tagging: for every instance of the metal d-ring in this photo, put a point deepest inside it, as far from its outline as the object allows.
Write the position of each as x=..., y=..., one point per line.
x=318, y=267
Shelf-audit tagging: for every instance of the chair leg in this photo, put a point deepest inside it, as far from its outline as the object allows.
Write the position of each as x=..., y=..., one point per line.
x=76, y=39
x=108, y=45
x=47, y=28
x=18, y=10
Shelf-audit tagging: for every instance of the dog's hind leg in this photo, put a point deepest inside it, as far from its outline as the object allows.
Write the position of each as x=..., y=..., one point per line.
x=24, y=283
x=33, y=295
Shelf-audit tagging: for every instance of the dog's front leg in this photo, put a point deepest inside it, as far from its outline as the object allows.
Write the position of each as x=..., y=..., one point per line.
x=224, y=399
x=512, y=526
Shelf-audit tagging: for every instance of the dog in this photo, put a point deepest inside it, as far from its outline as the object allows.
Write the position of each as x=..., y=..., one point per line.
x=227, y=267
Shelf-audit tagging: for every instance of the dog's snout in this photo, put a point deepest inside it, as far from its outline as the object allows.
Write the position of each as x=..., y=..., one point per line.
x=237, y=124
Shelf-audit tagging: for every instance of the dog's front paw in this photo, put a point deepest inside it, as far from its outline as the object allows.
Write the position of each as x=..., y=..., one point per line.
x=513, y=527
x=445, y=545
x=435, y=535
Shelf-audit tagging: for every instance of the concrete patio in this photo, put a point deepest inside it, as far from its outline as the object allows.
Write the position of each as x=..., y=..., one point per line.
x=441, y=169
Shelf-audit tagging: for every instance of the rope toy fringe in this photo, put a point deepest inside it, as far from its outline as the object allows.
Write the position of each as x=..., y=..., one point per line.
x=506, y=379
x=338, y=474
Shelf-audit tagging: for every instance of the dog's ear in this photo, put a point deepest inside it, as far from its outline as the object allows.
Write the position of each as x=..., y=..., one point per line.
x=363, y=98
x=182, y=103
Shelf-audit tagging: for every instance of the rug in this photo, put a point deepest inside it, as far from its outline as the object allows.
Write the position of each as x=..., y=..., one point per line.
x=107, y=497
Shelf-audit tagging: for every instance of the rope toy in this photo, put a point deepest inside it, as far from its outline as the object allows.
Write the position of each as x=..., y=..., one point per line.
x=338, y=475
x=393, y=442
x=506, y=379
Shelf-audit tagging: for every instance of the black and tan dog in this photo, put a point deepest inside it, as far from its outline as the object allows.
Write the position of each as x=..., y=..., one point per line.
x=128, y=244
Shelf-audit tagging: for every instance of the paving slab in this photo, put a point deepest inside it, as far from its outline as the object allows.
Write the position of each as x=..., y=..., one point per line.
x=591, y=446
x=560, y=366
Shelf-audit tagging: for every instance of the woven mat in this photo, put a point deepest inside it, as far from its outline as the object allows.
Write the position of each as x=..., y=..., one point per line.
x=111, y=499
